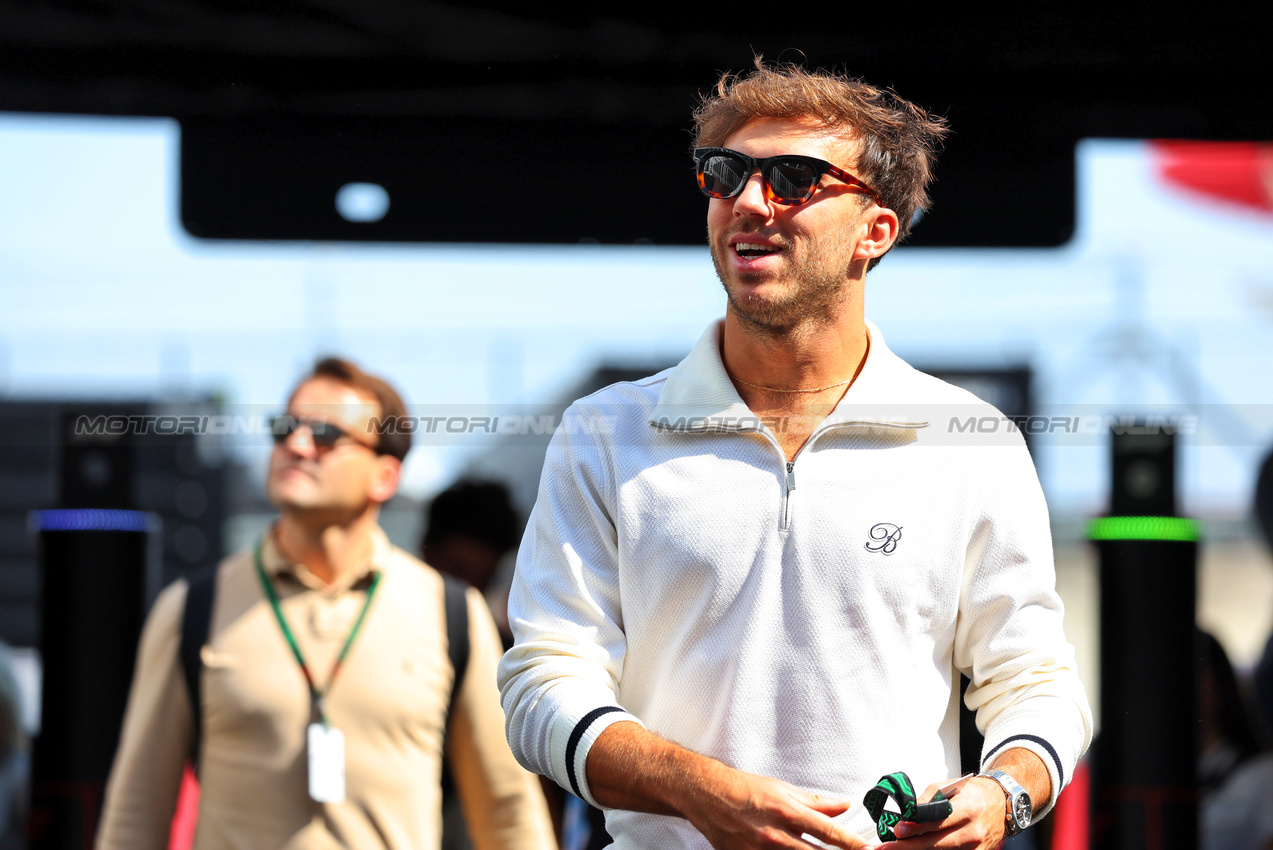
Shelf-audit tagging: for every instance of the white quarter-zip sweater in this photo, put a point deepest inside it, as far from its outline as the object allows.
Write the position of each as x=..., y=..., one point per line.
x=807, y=620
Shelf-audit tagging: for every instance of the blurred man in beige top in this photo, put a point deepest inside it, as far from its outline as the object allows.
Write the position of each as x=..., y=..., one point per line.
x=339, y=585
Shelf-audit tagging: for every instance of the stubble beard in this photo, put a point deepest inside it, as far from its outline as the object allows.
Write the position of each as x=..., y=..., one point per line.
x=813, y=289
x=309, y=505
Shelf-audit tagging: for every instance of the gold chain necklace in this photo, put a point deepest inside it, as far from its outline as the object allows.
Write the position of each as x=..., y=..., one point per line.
x=776, y=390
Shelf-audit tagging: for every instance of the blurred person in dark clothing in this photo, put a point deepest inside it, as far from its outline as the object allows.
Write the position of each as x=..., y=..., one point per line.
x=14, y=760
x=1235, y=773
x=472, y=526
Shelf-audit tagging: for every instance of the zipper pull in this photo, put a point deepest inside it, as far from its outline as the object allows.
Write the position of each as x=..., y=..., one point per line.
x=791, y=475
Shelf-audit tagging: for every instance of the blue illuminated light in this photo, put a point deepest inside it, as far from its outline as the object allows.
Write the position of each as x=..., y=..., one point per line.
x=90, y=519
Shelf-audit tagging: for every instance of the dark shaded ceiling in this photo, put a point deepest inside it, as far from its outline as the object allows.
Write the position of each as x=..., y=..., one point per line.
x=502, y=124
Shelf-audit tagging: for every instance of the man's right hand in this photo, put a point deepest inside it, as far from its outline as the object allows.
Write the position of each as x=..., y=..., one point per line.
x=746, y=810
x=631, y=768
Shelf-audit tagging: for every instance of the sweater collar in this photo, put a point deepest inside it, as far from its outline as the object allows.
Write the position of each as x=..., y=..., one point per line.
x=699, y=396
x=275, y=564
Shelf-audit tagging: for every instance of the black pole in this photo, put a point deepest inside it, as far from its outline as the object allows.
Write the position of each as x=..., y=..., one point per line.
x=95, y=566
x=1145, y=791
x=98, y=568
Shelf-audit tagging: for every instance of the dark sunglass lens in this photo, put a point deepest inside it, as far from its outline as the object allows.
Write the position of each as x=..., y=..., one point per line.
x=720, y=175
x=791, y=181
x=281, y=427
x=325, y=433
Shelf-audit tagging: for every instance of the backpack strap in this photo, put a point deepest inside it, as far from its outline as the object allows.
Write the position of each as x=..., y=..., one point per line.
x=196, y=623
x=457, y=633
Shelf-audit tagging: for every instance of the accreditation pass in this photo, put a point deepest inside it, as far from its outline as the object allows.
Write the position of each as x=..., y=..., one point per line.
x=326, y=763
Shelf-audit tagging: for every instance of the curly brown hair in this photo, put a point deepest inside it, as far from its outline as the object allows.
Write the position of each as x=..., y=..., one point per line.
x=899, y=140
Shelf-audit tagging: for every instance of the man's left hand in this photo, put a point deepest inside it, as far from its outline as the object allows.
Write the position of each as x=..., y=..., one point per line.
x=976, y=821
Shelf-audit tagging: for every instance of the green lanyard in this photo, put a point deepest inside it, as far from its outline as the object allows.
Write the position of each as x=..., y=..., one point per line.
x=316, y=696
x=898, y=786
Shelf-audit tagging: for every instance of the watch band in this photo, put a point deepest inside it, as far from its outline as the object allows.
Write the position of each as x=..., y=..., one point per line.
x=1020, y=808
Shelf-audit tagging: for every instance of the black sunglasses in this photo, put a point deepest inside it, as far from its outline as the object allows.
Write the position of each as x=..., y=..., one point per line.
x=323, y=433
x=789, y=179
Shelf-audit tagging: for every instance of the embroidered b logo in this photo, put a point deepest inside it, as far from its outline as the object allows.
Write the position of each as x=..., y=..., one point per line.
x=884, y=537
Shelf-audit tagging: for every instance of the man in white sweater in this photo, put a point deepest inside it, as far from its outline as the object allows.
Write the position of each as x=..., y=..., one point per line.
x=751, y=582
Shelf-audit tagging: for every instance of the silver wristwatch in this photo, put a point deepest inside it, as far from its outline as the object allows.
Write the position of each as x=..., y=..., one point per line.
x=1020, y=808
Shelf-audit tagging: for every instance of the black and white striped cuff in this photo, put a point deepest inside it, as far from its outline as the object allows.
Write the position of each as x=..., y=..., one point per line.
x=574, y=748
x=1046, y=753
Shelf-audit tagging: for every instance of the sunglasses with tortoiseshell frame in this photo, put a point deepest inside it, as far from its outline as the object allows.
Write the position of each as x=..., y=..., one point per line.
x=790, y=179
